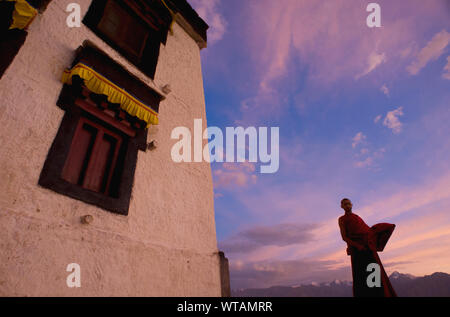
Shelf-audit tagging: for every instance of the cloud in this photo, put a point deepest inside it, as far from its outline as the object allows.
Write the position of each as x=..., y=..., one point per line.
x=406, y=52
x=385, y=90
x=333, y=50
x=276, y=235
x=377, y=118
x=291, y=156
x=359, y=138
x=370, y=160
x=405, y=199
x=397, y=263
x=432, y=198
x=209, y=11
x=324, y=259
x=266, y=103
x=330, y=50
x=365, y=163
x=432, y=51
x=374, y=60
x=335, y=46
x=446, y=74
x=392, y=120
x=364, y=157
x=264, y=274
x=235, y=174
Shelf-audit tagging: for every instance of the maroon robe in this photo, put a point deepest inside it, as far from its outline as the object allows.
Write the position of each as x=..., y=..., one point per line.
x=374, y=239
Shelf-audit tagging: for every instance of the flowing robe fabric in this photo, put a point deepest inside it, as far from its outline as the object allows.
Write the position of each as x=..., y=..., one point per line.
x=374, y=239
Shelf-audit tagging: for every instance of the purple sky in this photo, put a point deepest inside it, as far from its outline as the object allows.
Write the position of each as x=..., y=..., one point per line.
x=363, y=113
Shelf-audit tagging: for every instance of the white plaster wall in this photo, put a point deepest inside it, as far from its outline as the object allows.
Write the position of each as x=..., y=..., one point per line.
x=166, y=246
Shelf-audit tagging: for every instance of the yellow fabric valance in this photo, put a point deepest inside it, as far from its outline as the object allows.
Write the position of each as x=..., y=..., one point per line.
x=100, y=85
x=23, y=14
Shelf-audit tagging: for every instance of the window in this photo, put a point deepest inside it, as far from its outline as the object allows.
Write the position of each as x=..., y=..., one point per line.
x=10, y=43
x=120, y=26
x=11, y=40
x=94, y=154
x=41, y=5
x=13, y=32
x=92, y=159
x=134, y=28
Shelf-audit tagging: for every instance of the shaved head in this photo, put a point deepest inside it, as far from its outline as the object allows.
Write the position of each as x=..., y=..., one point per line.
x=344, y=199
x=346, y=204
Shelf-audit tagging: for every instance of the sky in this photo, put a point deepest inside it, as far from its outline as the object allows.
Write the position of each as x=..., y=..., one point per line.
x=362, y=112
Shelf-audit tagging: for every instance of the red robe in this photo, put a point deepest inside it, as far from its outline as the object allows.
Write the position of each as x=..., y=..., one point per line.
x=374, y=239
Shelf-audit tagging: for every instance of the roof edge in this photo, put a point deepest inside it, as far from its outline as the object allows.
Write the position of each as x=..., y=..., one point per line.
x=190, y=21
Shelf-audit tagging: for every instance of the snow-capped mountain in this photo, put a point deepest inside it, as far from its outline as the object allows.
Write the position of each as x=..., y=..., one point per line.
x=406, y=285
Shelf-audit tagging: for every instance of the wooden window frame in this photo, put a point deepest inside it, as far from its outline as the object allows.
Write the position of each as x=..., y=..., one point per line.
x=128, y=23
x=40, y=5
x=150, y=14
x=78, y=109
x=84, y=165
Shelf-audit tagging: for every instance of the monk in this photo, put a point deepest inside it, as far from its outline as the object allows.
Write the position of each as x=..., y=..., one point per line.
x=363, y=243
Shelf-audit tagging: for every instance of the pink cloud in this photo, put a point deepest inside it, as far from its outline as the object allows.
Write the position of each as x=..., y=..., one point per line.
x=385, y=90
x=209, y=11
x=337, y=47
x=374, y=60
x=371, y=158
x=235, y=174
x=358, y=139
x=377, y=118
x=365, y=157
x=405, y=199
x=392, y=120
x=415, y=237
x=432, y=51
x=446, y=74
x=294, y=204
x=336, y=44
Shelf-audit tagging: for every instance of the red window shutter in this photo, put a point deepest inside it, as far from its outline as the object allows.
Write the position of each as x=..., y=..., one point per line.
x=92, y=156
x=122, y=28
x=82, y=144
x=102, y=161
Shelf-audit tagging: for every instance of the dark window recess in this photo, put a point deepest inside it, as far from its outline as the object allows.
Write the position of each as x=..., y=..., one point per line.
x=10, y=43
x=41, y=5
x=135, y=28
x=128, y=33
x=12, y=40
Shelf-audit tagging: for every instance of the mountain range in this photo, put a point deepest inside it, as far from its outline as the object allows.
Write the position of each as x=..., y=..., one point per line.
x=405, y=285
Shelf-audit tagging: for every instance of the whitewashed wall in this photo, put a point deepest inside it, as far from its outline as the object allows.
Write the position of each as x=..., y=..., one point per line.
x=166, y=246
